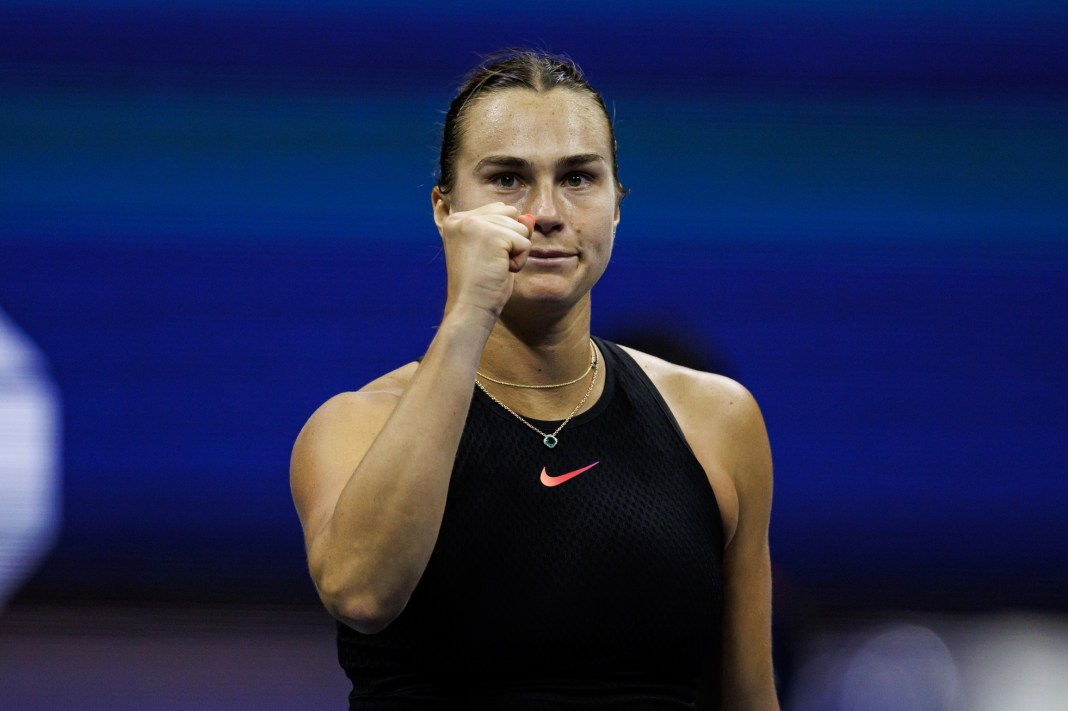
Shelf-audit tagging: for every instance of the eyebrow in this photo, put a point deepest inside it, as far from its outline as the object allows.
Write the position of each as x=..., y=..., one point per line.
x=523, y=164
x=503, y=162
x=581, y=159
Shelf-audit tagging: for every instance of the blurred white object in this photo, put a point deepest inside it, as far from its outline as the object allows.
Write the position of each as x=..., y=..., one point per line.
x=1017, y=662
x=904, y=667
x=992, y=662
x=890, y=666
x=29, y=459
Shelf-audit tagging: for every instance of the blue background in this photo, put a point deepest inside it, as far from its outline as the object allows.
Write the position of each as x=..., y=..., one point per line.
x=214, y=216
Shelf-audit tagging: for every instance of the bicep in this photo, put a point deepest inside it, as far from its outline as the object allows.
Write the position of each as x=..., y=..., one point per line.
x=326, y=453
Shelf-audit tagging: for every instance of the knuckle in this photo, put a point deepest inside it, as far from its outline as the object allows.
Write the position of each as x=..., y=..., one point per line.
x=457, y=221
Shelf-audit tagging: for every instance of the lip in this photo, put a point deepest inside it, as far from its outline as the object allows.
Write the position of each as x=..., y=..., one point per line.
x=549, y=256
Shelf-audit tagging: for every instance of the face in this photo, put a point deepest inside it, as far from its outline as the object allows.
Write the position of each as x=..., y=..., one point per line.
x=549, y=154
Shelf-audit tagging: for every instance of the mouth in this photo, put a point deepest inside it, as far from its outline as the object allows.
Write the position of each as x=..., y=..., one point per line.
x=550, y=255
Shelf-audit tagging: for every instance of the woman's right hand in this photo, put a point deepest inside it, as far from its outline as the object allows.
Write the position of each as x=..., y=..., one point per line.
x=484, y=248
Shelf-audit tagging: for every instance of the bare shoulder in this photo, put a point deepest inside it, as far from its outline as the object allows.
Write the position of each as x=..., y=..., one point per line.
x=712, y=398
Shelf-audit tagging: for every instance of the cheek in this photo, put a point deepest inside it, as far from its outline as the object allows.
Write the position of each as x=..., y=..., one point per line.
x=597, y=239
x=473, y=196
x=600, y=223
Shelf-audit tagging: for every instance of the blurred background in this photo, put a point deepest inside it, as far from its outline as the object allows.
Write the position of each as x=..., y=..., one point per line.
x=215, y=215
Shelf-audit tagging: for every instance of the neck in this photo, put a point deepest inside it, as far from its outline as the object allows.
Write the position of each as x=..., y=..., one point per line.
x=540, y=354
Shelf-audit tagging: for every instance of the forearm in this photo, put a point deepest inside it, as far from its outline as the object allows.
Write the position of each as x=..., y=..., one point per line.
x=373, y=549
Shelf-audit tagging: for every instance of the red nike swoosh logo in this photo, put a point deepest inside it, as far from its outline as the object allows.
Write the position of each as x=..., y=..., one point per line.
x=558, y=480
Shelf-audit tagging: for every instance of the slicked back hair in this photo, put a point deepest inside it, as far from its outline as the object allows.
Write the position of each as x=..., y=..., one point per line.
x=507, y=69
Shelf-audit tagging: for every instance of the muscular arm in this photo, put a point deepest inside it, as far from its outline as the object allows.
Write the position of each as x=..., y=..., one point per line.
x=370, y=470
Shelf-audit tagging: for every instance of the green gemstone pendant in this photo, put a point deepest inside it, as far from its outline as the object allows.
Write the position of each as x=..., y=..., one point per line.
x=550, y=441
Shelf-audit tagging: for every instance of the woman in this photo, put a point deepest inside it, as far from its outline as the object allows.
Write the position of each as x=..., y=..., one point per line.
x=528, y=517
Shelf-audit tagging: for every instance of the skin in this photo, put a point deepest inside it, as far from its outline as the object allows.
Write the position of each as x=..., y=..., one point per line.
x=370, y=469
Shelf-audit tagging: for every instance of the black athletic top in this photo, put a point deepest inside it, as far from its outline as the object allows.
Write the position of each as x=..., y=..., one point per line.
x=602, y=591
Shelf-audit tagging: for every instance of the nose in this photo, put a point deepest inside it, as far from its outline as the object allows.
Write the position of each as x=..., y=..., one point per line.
x=543, y=205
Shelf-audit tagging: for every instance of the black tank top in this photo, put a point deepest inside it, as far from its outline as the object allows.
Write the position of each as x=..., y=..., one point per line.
x=603, y=591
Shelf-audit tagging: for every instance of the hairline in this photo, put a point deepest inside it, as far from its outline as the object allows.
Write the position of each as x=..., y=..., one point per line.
x=462, y=114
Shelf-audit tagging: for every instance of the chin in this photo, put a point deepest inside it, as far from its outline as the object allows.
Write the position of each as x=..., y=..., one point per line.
x=544, y=301
x=545, y=289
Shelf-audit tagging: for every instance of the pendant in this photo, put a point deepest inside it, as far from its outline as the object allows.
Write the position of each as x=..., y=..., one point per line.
x=550, y=441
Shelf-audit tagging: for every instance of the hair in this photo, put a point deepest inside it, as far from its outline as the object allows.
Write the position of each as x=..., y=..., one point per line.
x=507, y=69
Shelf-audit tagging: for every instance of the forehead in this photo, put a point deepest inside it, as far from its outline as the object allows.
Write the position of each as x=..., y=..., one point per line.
x=525, y=123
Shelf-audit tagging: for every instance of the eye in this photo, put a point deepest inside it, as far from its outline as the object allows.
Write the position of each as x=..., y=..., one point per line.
x=577, y=180
x=505, y=180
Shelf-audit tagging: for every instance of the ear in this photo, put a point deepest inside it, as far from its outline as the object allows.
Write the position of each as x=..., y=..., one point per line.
x=441, y=206
x=615, y=220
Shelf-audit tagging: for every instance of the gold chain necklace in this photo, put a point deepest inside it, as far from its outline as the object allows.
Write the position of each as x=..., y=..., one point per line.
x=549, y=440
x=593, y=363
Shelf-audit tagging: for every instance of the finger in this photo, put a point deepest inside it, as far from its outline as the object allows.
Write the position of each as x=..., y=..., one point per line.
x=496, y=208
x=517, y=255
x=514, y=223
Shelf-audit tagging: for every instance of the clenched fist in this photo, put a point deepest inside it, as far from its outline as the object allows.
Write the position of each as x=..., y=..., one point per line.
x=484, y=248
